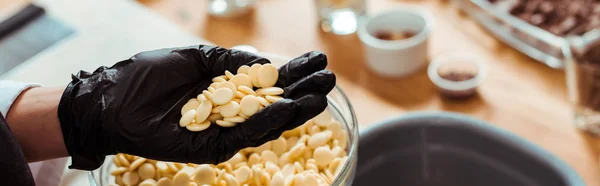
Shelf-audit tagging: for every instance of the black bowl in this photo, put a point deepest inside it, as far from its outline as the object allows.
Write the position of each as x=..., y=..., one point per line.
x=446, y=149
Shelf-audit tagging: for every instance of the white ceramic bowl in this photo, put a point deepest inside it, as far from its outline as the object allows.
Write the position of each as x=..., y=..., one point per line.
x=396, y=58
x=457, y=88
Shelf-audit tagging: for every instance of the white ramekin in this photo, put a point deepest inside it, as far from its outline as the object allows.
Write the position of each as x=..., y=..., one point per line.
x=457, y=89
x=396, y=58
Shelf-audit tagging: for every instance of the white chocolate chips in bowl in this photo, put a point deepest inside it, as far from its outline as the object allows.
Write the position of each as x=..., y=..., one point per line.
x=320, y=152
x=232, y=99
x=312, y=154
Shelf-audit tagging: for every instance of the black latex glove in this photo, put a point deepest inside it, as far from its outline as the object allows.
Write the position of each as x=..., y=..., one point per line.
x=134, y=106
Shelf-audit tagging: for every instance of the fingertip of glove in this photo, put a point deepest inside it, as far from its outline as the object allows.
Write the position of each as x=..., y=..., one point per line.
x=326, y=79
x=318, y=58
x=318, y=55
x=311, y=60
x=312, y=102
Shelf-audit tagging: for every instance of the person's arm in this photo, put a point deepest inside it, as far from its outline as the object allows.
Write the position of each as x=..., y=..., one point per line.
x=33, y=120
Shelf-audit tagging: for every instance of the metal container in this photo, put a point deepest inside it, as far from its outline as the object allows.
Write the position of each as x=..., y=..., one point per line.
x=530, y=40
x=438, y=148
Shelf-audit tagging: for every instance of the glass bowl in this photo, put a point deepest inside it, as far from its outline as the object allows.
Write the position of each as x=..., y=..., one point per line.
x=339, y=107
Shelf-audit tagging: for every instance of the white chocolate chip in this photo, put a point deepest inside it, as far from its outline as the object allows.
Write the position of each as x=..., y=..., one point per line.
x=216, y=110
x=323, y=156
x=230, y=110
x=271, y=168
x=267, y=75
x=241, y=80
x=273, y=99
x=214, y=117
x=263, y=147
x=204, y=174
x=190, y=105
x=130, y=178
x=269, y=156
x=225, y=123
x=291, y=141
x=299, y=167
x=319, y=139
x=228, y=74
x=338, y=151
x=279, y=146
x=243, y=116
x=265, y=178
x=314, y=129
x=253, y=159
x=256, y=173
x=214, y=85
x=277, y=179
x=118, y=171
x=207, y=95
x=162, y=166
x=237, y=158
x=222, y=96
x=146, y=171
x=148, y=182
x=310, y=180
x=271, y=91
x=297, y=150
x=211, y=90
x=334, y=164
x=137, y=163
x=228, y=85
x=219, y=79
x=239, y=95
x=181, y=179
x=203, y=111
x=250, y=105
x=253, y=73
x=235, y=119
x=172, y=166
x=196, y=127
x=200, y=98
x=246, y=90
x=335, y=127
x=298, y=179
x=242, y=174
x=230, y=180
x=164, y=182
x=263, y=101
x=187, y=118
x=243, y=69
x=322, y=119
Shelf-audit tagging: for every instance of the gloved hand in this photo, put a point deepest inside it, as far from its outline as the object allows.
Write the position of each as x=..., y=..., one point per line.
x=134, y=106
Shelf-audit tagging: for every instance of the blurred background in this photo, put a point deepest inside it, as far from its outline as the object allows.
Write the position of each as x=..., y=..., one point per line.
x=528, y=67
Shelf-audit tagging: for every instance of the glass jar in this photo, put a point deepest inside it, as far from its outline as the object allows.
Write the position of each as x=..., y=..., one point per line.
x=582, y=55
x=340, y=16
x=339, y=107
x=229, y=8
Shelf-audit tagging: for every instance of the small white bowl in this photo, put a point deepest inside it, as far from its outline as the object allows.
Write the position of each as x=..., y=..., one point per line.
x=457, y=62
x=396, y=58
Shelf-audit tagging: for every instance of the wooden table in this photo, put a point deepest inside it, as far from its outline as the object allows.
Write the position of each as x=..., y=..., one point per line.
x=520, y=94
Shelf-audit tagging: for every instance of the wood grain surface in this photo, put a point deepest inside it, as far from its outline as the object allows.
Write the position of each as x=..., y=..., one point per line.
x=519, y=95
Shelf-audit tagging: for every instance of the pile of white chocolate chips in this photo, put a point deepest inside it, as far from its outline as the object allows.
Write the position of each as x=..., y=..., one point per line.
x=312, y=154
x=231, y=99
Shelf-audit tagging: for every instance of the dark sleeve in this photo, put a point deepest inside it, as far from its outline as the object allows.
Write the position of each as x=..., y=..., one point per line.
x=14, y=169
